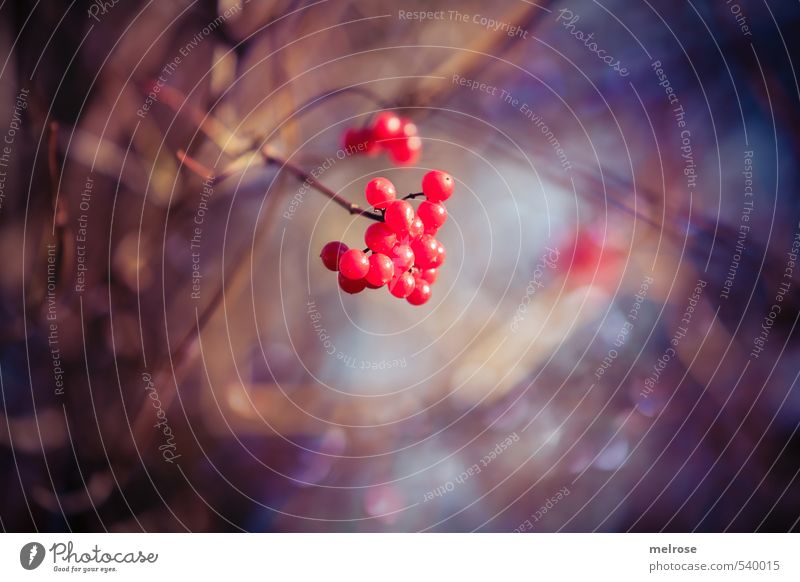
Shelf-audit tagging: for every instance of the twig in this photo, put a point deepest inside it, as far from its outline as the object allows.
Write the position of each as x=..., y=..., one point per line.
x=307, y=178
x=207, y=174
x=218, y=133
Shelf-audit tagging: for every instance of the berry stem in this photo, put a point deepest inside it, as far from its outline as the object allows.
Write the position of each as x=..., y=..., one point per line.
x=414, y=195
x=304, y=176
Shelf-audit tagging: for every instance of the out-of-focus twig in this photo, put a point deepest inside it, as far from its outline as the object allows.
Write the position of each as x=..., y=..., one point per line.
x=471, y=59
x=63, y=244
x=210, y=126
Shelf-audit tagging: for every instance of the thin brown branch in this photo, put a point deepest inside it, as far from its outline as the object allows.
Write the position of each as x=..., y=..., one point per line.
x=59, y=212
x=207, y=174
x=484, y=50
x=307, y=178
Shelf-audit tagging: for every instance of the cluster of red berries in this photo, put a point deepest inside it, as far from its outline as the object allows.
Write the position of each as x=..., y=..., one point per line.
x=390, y=133
x=403, y=251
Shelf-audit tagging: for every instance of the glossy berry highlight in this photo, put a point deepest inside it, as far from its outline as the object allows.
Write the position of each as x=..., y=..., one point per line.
x=354, y=264
x=437, y=186
x=399, y=217
x=403, y=257
x=426, y=252
x=380, y=192
x=402, y=285
x=381, y=270
x=416, y=229
x=421, y=293
x=380, y=238
x=433, y=215
x=387, y=126
x=388, y=132
x=405, y=150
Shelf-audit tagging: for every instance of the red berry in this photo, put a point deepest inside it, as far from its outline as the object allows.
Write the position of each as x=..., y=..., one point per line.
x=399, y=216
x=331, y=253
x=416, y=229
x=433, y=215
x=441, y=255
x=351, y=286
x=421, y=292
x=380, y=238
x=437, y=185
x=426, y=252
x=402, y=257
x=405, y=151
x=354, y=264
x=380, y=192
x=381, y=270
x=387, y=126
x=351, y=139
x=430, y=275
x=402, y=285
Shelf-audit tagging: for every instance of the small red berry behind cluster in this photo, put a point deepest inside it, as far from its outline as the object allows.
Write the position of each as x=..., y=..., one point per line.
x=388, y=133
x=593, y=259
x=404, y=254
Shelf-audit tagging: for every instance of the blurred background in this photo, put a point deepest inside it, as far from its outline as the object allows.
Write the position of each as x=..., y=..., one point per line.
x=611, y=344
